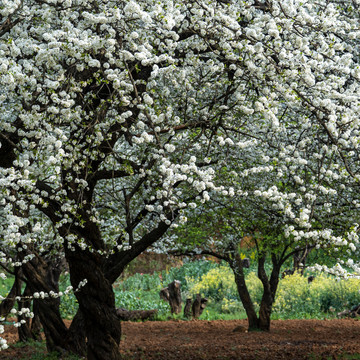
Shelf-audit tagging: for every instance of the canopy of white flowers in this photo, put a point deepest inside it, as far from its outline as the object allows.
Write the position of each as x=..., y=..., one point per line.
x=116, y=116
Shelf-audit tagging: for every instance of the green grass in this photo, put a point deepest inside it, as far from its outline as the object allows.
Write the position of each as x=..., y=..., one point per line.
x=295, y=299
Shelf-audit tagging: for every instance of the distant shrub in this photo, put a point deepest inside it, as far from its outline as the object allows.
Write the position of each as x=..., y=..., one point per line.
x=293, y=296
x=145, y=282
x=231, y=306
x=68, y=302
x=217, y=283
x=141, y=300
x=255, y=288
x=335, y=294
x=296, y=297
x=190, y=272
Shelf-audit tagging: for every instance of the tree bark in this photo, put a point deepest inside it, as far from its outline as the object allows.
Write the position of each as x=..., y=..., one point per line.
x=172, y=294
x=270, y=287
x=8, y=303
x=237, y=267
x=54, y=328
x=264, y=314
x=203, y=303
x=97, y=305
x=187, y=308
x=196, y=306
x=76, y=337
x=37, y=274
x=131, y=315
x=36, y=323
x=24, y=331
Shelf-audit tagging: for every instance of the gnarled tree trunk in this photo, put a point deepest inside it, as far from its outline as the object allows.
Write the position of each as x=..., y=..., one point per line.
x=97, y=305
x=198, y=306
x=42, y=277
x=76, y=337
x=24, y=331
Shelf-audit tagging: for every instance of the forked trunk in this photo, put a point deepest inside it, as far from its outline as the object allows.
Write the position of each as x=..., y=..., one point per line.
x=264, y=314
x=261, y=322
x=270, y=287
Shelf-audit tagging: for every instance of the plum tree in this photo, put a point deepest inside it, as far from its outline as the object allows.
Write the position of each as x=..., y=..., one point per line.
x=114, y=115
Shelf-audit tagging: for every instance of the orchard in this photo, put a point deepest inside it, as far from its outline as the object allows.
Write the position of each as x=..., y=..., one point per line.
x=121, y=120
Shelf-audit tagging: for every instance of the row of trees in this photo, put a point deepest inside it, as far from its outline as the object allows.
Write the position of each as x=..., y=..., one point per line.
x=120, y=120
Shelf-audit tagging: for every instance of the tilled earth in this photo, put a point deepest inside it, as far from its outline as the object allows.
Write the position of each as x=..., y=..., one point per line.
x=199, y=339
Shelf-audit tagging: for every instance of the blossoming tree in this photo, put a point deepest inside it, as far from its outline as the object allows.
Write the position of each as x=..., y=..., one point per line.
x=295, y=180
x=269, y=222
x=114, y=113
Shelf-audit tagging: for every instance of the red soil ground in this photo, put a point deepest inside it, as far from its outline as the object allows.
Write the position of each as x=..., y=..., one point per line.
x=199, y=339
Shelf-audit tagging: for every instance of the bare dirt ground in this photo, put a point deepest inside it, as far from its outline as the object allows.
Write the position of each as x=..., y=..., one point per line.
x=199, y=339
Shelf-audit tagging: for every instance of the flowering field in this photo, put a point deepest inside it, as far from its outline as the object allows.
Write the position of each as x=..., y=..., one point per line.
x=295, y=299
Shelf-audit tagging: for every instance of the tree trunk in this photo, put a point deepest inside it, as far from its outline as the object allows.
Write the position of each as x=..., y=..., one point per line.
x=270, y=287
x=203, y=304
x=245, y=298
x=187, y=309
x=131, y=315
x=36, y=324
x=24, y=331
x=236, y=265
x=196, y=306
x=76, y=337
x=43, y=277
x=36, y=272
x=97, y=305
x=265, y=313
x=172, y=294
x=8, y=303
x=54, y=328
